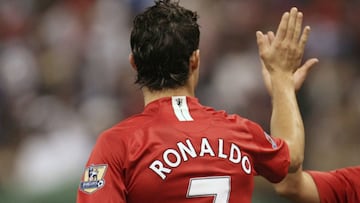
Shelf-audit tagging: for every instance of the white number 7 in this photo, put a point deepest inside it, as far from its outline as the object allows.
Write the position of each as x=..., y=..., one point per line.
x=217, y=186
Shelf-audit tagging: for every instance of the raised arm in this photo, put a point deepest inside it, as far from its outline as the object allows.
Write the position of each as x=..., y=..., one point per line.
x=281, y=55
x=298, y=186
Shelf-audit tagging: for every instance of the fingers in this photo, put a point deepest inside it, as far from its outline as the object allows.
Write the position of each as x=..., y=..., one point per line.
x=289, y=27
x=291, y=24
x=261, y=41
x=304, y=37
x=259, y=37
x=282, y=53
x=281, y=31
x=298, y=27
x=271, y=36
x=267, y=40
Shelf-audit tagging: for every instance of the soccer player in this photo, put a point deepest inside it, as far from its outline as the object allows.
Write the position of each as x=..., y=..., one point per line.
x=178, y=150
x=337, y=186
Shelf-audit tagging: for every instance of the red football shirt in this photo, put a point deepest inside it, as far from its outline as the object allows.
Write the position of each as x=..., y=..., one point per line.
x=177, y=150
x=340, y=186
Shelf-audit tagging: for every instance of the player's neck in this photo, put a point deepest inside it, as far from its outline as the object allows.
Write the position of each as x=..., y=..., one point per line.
x=150, y=96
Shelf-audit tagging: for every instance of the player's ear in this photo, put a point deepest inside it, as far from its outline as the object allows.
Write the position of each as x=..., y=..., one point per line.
x=132, y=61
x=195, y=60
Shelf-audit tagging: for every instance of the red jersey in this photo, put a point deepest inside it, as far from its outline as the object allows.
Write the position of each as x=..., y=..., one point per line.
x=338, y=186
x=177, y=150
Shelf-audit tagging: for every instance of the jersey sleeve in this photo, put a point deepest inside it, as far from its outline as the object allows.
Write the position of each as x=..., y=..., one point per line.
x=341, y=186
x=103, y=177
x=271, y=155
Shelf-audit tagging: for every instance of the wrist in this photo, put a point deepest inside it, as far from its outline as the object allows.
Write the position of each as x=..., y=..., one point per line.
x=282, y=81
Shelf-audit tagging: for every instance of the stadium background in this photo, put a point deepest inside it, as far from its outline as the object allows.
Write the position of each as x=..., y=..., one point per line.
x=64, y=77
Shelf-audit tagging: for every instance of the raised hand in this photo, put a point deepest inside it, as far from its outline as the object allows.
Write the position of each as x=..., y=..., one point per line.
x=283, y=53
x=298, y=77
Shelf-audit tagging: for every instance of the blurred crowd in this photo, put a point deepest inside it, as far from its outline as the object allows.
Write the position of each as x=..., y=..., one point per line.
x=65, y=77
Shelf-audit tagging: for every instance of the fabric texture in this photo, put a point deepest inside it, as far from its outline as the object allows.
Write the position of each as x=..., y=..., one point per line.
x=187, y=153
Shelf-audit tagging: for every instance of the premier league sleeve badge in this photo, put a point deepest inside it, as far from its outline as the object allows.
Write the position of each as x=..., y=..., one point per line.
x=93, y=178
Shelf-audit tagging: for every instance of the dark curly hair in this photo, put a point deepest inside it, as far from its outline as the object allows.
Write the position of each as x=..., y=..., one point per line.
x=162, y=40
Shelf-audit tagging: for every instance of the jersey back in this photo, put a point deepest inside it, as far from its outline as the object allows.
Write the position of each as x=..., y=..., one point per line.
x=177, y=150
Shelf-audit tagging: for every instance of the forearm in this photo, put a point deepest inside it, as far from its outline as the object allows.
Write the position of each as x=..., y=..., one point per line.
x=286, y=121
x=298, y=187
x=289, y=186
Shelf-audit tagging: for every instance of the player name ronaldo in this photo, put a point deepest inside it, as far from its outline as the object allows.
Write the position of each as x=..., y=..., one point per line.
x=173, y=158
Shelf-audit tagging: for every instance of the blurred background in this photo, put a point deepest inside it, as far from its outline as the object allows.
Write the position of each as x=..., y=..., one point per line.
x=65, y=77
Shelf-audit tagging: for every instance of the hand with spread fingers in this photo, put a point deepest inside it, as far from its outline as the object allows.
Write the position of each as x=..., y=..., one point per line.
x=281, y=56
x=283, y=53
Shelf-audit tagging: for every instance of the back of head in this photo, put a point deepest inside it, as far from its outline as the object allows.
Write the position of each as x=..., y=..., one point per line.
x=163, y=39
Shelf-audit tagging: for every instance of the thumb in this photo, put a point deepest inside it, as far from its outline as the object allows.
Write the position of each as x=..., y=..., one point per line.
x=301, y=73
x=309, y=64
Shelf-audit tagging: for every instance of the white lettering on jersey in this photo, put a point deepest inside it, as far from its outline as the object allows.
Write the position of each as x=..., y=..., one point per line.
x=235, y=152
x=167, y=160
x=172, y=158
x=221, y=149
x=189, y=149
x=206, y=148
x=245, y=164
x=158, y=167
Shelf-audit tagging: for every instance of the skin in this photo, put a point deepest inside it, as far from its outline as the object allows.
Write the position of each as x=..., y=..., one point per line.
x=187, y=90
x=298, y=186
x=281, y=58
